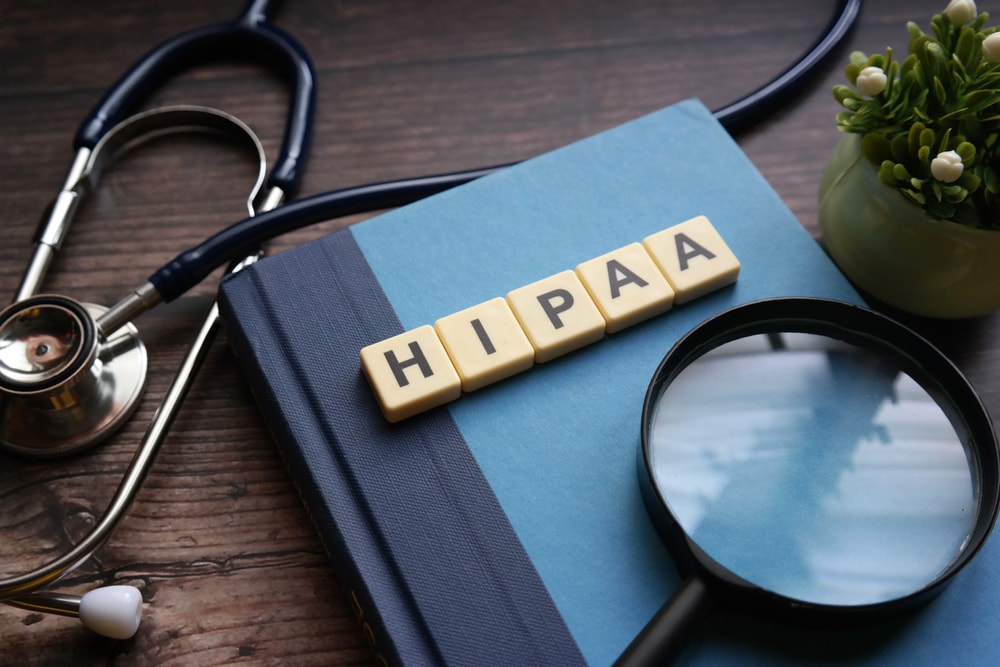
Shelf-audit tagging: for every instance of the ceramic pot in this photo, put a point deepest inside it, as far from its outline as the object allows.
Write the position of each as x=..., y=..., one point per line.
x=892, y=251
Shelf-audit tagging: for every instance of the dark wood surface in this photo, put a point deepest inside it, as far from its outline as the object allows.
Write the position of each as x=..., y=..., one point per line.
x=218, y=541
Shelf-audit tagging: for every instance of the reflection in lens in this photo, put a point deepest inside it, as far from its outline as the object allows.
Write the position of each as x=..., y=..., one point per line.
x=813, y=469
x=38, y=343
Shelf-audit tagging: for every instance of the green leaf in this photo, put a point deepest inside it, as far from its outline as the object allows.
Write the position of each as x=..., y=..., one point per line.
x=991, y=179
x=981, y=98
x=959, y=78
x=913, y=136
x=851, y=72
x=926, y=137
x=886, y=175
x=842, y=92
x=953, y=115
x=945, y=140
x=918, y=73
x=937, y=58
x=966, y=151
x=916, y=197
x=939, y=92
x=953, y=193
x=966, y=49
x=858, y=59
x=969, y=181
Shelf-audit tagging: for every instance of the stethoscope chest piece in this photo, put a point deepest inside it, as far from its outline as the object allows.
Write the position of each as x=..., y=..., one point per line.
x=64, y=386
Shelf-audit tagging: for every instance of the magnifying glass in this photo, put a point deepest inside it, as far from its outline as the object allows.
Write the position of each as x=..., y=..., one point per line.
x=811, y=461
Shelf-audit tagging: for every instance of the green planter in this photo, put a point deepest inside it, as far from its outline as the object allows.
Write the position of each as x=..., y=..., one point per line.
x=892, y=251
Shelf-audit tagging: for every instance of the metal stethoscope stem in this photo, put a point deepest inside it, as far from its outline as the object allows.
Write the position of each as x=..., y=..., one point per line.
x=54, y=228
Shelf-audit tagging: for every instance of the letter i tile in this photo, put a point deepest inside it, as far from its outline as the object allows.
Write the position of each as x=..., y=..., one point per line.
x=485, y=343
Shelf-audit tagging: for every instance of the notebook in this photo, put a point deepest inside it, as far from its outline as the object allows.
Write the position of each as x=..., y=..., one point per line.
x=506, y=527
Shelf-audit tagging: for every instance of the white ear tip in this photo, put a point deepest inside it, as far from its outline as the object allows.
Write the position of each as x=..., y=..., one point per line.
x=112, y=611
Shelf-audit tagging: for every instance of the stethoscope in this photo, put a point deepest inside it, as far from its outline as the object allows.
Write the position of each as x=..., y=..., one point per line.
x=71, y=373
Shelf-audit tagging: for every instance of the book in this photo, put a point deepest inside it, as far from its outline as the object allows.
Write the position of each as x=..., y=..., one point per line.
x=506, y=527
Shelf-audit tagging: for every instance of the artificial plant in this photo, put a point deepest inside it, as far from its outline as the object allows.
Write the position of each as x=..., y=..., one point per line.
x=931, y=124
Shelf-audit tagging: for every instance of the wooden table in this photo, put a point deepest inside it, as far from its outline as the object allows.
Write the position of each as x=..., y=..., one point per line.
x=229, y=565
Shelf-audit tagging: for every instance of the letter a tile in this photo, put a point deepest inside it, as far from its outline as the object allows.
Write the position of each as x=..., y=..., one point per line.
x=694, y=258
x=410, y=373
x=485, y=343
x=627, y=287
x=558, y=315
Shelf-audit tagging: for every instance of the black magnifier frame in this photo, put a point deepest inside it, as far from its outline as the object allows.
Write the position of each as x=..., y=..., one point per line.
x=708, y=584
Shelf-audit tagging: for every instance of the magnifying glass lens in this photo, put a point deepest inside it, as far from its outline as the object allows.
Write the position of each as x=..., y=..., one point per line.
x=813, y=468
x=812, y=461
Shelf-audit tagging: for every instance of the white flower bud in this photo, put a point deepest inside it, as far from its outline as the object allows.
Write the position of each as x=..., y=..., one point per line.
x=871, y=81
x=991, y=48
x=947, y=167
x=961, y=11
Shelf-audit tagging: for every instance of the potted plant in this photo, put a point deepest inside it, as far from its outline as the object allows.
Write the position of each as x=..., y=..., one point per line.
x=910, y=200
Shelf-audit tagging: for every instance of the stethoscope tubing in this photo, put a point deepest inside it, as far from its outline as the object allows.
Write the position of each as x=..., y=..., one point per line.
x=191, y=266
x=249, y=34
x=252, y=32
x=23, y=590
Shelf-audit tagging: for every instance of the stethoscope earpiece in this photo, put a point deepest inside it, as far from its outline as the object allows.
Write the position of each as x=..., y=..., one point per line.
x=112, y=611
x=64, y=386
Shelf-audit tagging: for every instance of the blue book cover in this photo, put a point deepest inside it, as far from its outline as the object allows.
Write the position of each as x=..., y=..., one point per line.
x=507, y=526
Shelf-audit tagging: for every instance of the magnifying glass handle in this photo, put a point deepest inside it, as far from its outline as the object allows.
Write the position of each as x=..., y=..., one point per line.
x=667, y=632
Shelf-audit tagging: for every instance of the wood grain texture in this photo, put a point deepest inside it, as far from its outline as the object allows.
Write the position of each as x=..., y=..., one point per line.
x=230, y=567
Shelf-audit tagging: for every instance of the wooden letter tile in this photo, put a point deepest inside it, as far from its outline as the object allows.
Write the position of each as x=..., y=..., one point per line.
x=626, y=286
x=410, y=373
x=485, y=343
x=694, y=258
x=557, y=314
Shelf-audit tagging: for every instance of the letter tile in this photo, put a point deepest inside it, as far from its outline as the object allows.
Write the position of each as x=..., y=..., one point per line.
x=694, y=258
x=558, y=315
x=410, y=373
x=626, y=286
x=485, y=343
